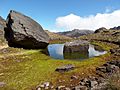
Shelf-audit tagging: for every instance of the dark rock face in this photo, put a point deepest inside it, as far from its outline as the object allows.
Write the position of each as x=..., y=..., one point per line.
x=76, y=33
x=65, y=68
x=76, y=46
x=102, y=29
x=23, y=32
x=115, y=28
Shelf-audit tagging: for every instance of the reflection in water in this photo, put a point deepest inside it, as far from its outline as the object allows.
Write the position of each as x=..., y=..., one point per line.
x=94, y=52
x=56, y=51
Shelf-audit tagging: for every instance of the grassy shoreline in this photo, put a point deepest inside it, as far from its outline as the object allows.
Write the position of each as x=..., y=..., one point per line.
x=28, y=68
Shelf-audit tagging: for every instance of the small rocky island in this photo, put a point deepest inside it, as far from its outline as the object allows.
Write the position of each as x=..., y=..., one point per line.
x=76, y=46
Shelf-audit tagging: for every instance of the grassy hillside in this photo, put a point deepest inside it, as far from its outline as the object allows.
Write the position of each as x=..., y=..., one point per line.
x=112, y=36
x=56, y=38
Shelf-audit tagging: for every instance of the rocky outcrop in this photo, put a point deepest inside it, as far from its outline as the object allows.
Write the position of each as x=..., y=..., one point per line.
x=115, y=28
x=102, y=29
x=110, y=36
x=76, y=46
x=76, y=33
x=24, y=32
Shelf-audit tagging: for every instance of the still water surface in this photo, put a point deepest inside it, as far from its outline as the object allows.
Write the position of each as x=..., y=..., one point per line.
x=56, y=52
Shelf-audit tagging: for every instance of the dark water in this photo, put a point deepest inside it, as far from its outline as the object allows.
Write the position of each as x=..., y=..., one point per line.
x=56, y=52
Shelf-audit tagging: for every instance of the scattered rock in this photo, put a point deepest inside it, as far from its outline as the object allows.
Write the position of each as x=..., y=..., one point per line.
x=24, y=32
x=93, y=84
x=74, y=77
x=60, y=88
x=45, y=85
x=2, y=84
x=79, y=87
x=67, y=88
x=89, y=83
x=108, y=68
x=65, y=68
x=102, y=69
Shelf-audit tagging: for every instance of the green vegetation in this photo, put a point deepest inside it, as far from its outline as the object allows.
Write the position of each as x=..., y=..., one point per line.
x=104, y=45
x=112, y=36
x=24, y=69
x=56, y=38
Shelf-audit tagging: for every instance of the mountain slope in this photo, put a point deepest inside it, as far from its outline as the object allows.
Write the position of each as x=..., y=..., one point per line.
x=54, y=37
x=2, y=25
x=76, y=33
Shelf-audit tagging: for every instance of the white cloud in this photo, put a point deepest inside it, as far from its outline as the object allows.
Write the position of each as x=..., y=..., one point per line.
x=91, y=22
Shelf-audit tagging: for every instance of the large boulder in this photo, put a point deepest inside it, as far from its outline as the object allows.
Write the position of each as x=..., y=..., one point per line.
x=77, y=49
x=76, y=46
x=24, y=32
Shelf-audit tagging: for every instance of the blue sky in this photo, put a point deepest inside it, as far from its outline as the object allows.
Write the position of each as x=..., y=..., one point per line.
x=48, y=12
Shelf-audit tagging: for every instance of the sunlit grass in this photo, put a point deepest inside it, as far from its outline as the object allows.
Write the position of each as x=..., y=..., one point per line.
x=32, y=67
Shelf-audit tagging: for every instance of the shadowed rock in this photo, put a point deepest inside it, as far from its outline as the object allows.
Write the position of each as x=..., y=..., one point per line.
x=24, y=32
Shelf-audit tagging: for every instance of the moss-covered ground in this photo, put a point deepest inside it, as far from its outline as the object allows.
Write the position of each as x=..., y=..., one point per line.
x=25, y=69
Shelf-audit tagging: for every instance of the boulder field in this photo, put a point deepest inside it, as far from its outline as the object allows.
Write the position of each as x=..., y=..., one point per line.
x=23, y=32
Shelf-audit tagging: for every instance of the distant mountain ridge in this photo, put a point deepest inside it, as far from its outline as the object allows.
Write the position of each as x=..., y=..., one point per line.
x=76, y=33
x=55, y=36
x=115, y=28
